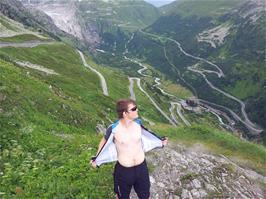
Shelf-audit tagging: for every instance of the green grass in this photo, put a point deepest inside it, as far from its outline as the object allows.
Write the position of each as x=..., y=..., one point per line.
x=188, y=177
x=116, y=80
x=46, y=166
x=73, y=78
x=146, y=108
x=176, y=89
x=244, y=89
x=75, y=85
x=132, y=17
x=47, y=125
x=201, y=8
x=23, y=38
x=248, y=80
x=5, y=22
x=44, y=153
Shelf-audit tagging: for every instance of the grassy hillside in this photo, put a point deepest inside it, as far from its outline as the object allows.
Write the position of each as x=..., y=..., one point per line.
x=45, y=136
x=241, y=55
x=210, y=8
x=23, y=38
x=128, y=15
x=48, y=132
x=46, y=156
x=48, y=124
x=30, y=19
x=12, y=31
x=114, y=77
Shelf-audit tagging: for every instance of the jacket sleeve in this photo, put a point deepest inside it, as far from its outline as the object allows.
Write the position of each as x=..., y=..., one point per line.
x=150, y=140
x=108, y=152
x=108, y=132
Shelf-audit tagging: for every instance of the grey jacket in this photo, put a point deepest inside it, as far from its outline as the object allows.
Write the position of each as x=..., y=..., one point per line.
x=108, y=152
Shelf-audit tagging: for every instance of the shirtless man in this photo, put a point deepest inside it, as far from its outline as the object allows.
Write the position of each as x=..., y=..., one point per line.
x=131, y=168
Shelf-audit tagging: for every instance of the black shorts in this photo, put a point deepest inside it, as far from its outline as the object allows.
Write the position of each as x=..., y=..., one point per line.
x=126, y=177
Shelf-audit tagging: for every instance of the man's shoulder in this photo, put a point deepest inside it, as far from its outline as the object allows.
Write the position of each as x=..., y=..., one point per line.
x=110, y=129
x=138, y=121
x=136, y=125
x=113, y=125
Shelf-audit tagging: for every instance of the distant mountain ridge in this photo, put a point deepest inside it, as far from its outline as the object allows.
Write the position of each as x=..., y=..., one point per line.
x=232, y=37
x=54, y=110
x=90, y=20
x=36, y=19
x=199, y=7
x=159, y=3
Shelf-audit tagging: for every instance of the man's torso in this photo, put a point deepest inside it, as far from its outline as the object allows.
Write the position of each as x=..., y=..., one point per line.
x=128, y=144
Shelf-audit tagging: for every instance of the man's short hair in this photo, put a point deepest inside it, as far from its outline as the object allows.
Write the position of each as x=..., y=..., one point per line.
x=122, y=106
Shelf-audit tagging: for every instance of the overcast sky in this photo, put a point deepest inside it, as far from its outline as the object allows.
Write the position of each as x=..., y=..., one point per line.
x=159, y=3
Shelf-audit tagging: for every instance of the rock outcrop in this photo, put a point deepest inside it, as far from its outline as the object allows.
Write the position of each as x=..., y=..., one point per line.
x=177, y=172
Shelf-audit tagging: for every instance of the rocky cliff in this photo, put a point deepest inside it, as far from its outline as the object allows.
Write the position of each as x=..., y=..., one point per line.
x=90, y=20
x=180, y=172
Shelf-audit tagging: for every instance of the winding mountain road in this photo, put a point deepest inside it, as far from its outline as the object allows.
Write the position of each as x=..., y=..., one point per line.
x=131, y=79
x=131, y=87
x=173, y=104
x=31, y=44
x=102, y=79
x=131, y=83
x=174, y=120
x=28, y=44
x=178, y=110
x=178, y=72
x=251, y=126
x=253, y=131
x=220, y=73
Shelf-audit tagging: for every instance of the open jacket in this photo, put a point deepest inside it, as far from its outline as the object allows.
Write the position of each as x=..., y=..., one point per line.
x=108, y=152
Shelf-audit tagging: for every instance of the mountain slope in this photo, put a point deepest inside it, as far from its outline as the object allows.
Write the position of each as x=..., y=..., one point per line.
x=36, y=19
x=43, y=148
x=187, y=8
x=53, y=112
x=233, y=39
x=16, y=11
x=91, y=20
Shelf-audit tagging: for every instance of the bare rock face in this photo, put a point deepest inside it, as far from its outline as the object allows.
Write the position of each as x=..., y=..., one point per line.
x=176, y=172
x=64, y=16
x=100, y=129
x=253, y=10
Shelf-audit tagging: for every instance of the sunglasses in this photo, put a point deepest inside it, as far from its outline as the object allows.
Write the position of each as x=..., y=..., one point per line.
x=134, y=108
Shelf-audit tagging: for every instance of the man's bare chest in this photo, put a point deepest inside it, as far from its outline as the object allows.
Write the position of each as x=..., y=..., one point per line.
x=128, y=136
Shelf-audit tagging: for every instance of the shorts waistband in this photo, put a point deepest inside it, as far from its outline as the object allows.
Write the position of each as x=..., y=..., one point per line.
x=136, y=166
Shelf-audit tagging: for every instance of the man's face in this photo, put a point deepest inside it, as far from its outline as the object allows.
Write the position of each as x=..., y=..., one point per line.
x=132, y=111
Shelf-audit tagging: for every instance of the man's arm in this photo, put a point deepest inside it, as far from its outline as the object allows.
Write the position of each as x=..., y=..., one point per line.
x=102, y=142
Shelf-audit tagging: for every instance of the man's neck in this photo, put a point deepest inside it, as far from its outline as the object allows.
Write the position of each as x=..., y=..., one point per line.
x=126, y=122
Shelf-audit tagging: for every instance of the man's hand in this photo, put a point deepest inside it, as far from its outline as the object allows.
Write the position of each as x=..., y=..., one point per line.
x=165, y=141
x=93, y=163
